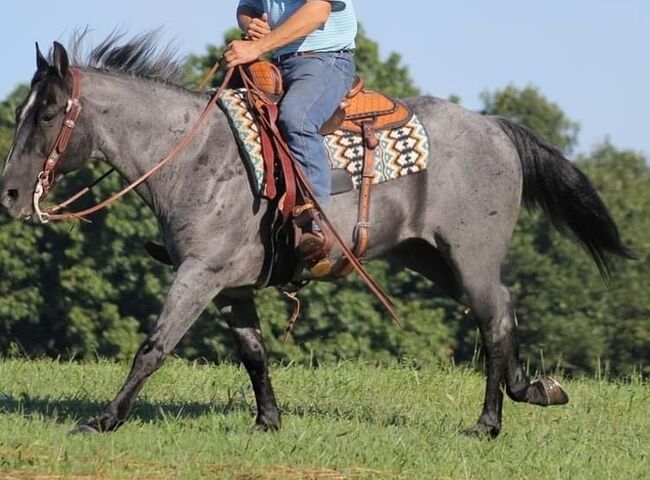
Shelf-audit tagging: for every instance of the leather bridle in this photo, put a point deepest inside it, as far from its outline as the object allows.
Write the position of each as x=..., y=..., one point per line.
x=46, y=178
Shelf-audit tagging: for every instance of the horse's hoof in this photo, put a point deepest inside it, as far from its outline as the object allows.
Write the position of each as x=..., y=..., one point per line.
x=263, y=425
x=481, y=432
x=547, y=392
x=83, y=429
x=262, y=428
x=257, y=428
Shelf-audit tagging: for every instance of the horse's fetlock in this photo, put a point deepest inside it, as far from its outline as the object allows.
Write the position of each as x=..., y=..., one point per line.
x=269, y=422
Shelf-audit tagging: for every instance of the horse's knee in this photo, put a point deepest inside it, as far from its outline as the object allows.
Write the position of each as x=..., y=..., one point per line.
x=243, y=321
x=251, y=349
x=491, y=306
x=149, y=357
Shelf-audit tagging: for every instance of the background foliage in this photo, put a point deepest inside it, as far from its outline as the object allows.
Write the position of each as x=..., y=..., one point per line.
x=86, y=290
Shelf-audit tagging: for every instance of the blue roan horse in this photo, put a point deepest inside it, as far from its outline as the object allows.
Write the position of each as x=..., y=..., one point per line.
x=451, y=223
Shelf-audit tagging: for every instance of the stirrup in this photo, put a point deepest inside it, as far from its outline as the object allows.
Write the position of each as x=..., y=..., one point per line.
x=304, y=214
x=314, y=249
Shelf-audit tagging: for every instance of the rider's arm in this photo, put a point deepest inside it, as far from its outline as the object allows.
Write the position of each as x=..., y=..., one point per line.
x=304, y=21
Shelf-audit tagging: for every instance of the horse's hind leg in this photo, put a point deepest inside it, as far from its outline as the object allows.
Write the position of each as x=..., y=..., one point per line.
x=490, y=302
x=193, y=288
x=467, y=282
x=241, y=315
x=465, y=278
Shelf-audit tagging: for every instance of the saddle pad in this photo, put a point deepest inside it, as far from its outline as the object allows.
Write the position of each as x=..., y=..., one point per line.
x=401, y=151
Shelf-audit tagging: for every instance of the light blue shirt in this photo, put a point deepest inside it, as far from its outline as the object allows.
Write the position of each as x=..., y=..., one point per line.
x=337, y=33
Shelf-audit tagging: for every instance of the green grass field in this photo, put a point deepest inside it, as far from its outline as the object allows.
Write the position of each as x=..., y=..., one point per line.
x=345, y=421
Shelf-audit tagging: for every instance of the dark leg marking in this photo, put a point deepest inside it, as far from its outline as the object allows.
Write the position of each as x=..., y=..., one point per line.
x=241, y=315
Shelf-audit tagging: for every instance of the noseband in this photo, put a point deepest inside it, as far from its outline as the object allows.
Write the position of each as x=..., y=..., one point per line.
x=46, y=178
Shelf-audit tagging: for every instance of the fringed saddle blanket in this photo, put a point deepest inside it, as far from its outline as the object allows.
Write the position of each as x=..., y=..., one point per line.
x=402, y=151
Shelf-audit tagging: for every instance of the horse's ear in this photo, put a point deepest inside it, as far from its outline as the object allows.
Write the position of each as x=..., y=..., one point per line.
x=60, y=58
x=41, y=62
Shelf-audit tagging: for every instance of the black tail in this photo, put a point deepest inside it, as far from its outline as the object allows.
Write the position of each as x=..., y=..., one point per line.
x=565, y=194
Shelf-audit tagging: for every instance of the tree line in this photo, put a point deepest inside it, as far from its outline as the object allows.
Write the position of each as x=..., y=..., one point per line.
x=79, y=290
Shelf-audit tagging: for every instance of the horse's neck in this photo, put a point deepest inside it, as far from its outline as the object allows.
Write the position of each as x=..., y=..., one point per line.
x=136, y=123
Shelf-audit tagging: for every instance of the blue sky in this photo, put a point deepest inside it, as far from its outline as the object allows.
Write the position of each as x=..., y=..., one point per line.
x=591, y=57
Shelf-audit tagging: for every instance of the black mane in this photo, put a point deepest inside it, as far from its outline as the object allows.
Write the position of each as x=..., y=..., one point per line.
x=141, y=56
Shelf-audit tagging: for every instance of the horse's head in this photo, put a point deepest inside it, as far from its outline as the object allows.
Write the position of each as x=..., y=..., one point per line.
x=39, y=122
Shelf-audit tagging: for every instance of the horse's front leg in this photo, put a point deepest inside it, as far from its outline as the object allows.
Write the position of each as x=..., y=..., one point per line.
x=194, y=286
x=241, y=315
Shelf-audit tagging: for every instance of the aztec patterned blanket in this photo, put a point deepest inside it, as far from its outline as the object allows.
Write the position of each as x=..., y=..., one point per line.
x=402, y=151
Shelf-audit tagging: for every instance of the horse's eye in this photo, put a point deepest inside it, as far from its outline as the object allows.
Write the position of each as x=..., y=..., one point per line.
x=17, y=112
x=47, y=116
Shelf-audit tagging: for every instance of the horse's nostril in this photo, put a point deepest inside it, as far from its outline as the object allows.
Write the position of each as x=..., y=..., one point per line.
x=10, y=197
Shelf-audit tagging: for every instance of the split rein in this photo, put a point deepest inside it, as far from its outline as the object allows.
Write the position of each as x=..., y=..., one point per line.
x=46, y=178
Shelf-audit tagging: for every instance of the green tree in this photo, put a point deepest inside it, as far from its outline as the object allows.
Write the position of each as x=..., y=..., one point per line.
x=389, y=76
x=8, y=117
x=88, y=289
x=78, y=289
x=623, y=177
x=528, y=107
x=197, y=66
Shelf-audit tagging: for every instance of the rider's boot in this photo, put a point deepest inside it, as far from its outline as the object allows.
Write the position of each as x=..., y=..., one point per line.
x=314, y=244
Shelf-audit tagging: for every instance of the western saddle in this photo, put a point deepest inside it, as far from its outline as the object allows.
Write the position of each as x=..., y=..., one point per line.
x=363, y=112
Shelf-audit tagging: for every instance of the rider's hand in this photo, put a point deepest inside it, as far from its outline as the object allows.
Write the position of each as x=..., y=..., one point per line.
x=258, y=27
x=241, y=52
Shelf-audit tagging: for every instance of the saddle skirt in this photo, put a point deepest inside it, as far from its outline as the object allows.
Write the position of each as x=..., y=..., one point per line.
x=402, y=149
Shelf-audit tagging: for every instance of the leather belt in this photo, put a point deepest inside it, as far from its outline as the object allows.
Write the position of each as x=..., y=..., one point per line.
x=309, y=53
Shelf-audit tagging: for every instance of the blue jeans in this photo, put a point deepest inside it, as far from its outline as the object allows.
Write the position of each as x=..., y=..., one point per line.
x=314, y=85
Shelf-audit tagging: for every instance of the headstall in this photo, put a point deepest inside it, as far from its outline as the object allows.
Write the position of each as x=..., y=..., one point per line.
x=46, y=178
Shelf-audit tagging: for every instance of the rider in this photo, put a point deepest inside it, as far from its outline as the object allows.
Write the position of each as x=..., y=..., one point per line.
x=312, y=42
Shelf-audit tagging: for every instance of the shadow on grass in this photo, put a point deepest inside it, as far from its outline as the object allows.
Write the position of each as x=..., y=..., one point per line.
x=64, y=410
